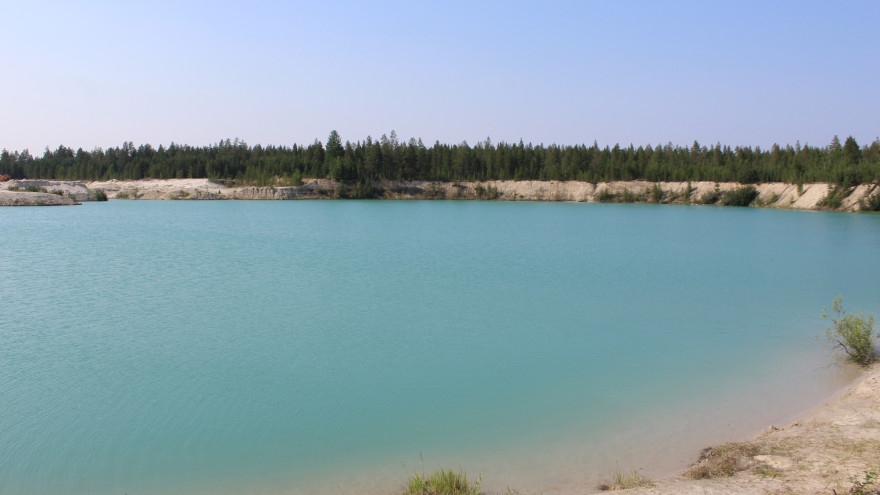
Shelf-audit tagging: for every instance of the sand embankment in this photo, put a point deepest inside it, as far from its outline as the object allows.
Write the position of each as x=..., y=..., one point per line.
x=827, y=450
x=10, y=198
x=773, y=195
x=65, y=193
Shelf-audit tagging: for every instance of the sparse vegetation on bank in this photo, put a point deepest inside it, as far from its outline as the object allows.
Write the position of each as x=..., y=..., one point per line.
x=723, y=461
x=490, y=192
x=871, y=203
x=866, y=485
x=711, y=197
x=834, y=199
x=622, y=480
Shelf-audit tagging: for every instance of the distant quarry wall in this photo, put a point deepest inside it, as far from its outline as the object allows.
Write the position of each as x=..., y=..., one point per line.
x=814, y=196
x=774, y=195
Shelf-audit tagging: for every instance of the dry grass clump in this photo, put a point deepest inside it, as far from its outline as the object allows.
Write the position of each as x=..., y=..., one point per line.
x=723, y=461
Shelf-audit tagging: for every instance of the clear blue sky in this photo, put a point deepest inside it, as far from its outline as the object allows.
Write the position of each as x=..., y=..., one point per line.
x=740, y=73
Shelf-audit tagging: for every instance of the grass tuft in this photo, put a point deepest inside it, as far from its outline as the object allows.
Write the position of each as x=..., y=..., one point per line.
x=767, y=471
x=623, y=481
x=442, y=482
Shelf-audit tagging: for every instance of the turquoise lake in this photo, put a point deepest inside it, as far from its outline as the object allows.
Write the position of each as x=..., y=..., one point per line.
x=159, y=347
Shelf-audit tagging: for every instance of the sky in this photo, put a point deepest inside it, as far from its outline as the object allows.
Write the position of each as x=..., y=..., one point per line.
x=96, y=74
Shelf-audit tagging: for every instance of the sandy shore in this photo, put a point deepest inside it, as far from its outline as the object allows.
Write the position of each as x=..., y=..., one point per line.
x=823, y=451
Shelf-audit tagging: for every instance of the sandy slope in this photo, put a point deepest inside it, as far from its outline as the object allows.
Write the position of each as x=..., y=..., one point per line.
x=818, y=454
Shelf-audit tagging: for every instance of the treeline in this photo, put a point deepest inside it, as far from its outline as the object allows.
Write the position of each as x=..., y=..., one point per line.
x=846, y=164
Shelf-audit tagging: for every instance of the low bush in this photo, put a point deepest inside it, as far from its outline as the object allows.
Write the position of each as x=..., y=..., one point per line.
x=490, y=192
x=630, y=197
x=834, y=199
x=871, y=203
x=434, y=192
x=605, y=196
x=710, y=198
x=686, y=193
x=35, y=189
x=363, y=190
x=656, y=194
x=100, y=195
x=741, y=196
x=852, y=333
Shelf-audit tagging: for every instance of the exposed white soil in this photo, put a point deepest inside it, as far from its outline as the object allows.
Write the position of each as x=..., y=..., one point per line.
x=773, y=195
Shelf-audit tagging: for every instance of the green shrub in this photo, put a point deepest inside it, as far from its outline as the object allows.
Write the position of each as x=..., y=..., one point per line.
x=363, y=190
x=35, y=189
x=871, y=203
x=656, y=193
x=100, y=195
x=710, y=198
x=57, y=192
x=442, y=482
x=490, y=192
x=341, y=191
x=834, y=199
x=480, y=191
x=14, y=188
x=852, y=333
x=605, y=196
x=434, y=192
x=630, y=197
x=686, y=193
x=741, y=196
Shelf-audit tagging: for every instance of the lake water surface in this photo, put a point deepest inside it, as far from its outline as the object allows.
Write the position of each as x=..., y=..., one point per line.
x=337, y=346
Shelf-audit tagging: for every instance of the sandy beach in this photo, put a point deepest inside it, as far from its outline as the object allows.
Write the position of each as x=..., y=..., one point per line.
x=822, y=452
